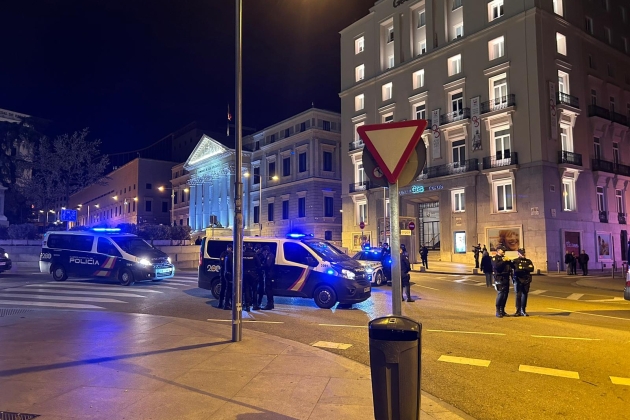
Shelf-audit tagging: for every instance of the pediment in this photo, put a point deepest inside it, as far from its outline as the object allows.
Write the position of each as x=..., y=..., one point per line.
x=207, y=148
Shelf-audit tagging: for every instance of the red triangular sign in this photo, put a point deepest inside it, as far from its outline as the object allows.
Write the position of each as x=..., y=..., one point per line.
x=391, y=144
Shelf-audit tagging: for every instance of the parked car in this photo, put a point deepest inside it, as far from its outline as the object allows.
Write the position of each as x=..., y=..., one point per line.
x=626, y=291
x=5, y=261
x=372, y=260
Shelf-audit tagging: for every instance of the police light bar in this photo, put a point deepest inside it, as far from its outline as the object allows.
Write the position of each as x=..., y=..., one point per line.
x=106, y=229
x=298, y=235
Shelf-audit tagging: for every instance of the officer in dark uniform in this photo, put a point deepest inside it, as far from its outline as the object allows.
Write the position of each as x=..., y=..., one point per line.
x=227, y=261
x=405, y=268
x=260, y=283
x=501, y=268
x=269, y=267
x=523, y=269
x=251, y=268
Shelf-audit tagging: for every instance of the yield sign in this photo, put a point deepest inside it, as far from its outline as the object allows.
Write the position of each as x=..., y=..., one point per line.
x=391, y=144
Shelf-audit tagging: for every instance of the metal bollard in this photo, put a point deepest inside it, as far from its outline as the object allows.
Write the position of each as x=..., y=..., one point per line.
x=558, y=266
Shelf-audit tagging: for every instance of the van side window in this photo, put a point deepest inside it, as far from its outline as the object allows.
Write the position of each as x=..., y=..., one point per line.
x=215, y=248
x=105, y=246
x=296, y=253
x=71, y=242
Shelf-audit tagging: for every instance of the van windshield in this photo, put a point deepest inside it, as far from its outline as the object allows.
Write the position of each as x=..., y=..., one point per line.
x=132, y=245
x=326, y=250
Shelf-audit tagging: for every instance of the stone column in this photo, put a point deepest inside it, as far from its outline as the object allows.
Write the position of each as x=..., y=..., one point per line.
x=198, y=209
x=3, y=218
x=230, y=200
x=206, y=204
x=224, y=205
x=192, y=206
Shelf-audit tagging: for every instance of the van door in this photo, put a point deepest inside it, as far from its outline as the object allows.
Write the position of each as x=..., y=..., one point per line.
x=110, y=257
x=293, y=273
x=81, y=260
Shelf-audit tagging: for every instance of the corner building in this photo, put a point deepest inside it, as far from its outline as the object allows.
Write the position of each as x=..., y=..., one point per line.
x=527, y=144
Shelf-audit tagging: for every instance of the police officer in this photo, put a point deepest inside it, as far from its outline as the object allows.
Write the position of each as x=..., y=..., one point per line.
x=501, y=268
x=523, y=269
x=260, y=283
x=269, y=267
x=251, y=268
x=226, y=263
x=405, y=268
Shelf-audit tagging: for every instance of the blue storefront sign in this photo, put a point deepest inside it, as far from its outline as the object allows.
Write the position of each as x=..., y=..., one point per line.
x=418, y=189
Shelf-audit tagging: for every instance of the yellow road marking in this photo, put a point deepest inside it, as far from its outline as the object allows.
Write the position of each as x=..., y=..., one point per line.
x=464, y=361
x=466, y=332
x=584, y=313
x=548, y=371
x=619, y=381
x=341, y=325
x=567, y=338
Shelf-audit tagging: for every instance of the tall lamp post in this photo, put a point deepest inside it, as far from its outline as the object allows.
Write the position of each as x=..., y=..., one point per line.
x=275, y=178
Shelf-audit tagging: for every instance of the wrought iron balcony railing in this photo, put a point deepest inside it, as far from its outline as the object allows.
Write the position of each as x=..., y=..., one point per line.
x=619, y=118
x=569, y=157
x=598, y=111
x=498, y=103
x=354, y=145
x=572, y=101
x=462, y=114
x=498, y=161
x=621, y=169
x=621, y=218
x=603, y=216
x=602, y=165
x=360, y=186
x=453, y=168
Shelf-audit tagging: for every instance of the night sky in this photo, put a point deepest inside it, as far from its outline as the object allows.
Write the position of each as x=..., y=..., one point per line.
x=135, y=70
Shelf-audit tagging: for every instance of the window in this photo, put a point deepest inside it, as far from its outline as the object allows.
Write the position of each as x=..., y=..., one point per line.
x=561, y=43
x=455, y=65
x=296, y=253
x=302, y=162
x=591, y=63
x=328, y=207
x=357, y=137
x=271, y=170
x=616, y=153
x=256, y=177
x=302, y=207
x=418, y=79
x=568, y=194
x=286, y=166
x=257, y=144
x=390, y=62
x=502, y=144
x=459, y=30
x=457, y=4
x=257, y=214
x=175, y=197
x=359, y=72
x=390, y=34
x=504, y=196
x=459, y=153
x=496, y=48
x=498, y=92
x=359, y=102
x=457, y=103
x=270, y=212
x=148, y=186
x=326, y=125
x=597, y=148
x=563, y=82
x=328, y=165
x=593, y=97
x=495, y=9
x=566, y=137
x=362, y=212
x=359, y=45
x=421, y=112
x=422, y=18
x=328, y=235
x=359, y=173
x=601, y=202
x=164, y=207
x=389, y=117
x=147, y=205
x=459, y=204
x=619, y=200
x=285, y=210
x=422, y=47
x=71, y=242
x=302, y=127
x=612, y=104
x=134, y=206
x=557, y=7
x=387, y=91
x=608, y=33
x=588, y=25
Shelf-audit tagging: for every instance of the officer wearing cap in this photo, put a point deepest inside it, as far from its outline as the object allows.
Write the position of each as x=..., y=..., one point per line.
x=523, y=268
x=501, y=268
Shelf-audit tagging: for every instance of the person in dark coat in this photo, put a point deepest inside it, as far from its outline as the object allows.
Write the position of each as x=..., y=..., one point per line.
x=424, y=255
x=476, y=252
x=573, y=264
x=227, y=261
x=583, y=259
x=405, y=268
x=251, y=270
x=486, y=267
x=269, y=267
x=568, y=259
x=198, y=240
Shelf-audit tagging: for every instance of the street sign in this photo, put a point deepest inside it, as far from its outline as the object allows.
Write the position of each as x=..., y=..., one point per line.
x=405, y=232
x=391, y=144
x=362, y=225
x=412, y=225
x=411, y=170
x=68, y=215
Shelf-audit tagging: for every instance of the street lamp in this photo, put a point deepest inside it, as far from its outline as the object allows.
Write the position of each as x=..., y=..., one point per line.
x=162, y=189
x=275, y=178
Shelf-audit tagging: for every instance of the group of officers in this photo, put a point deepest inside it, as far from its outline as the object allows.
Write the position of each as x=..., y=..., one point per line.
x=519, y=270
x=259, y=272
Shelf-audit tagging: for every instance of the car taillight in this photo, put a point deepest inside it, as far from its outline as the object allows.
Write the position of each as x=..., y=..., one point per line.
x=200, y=258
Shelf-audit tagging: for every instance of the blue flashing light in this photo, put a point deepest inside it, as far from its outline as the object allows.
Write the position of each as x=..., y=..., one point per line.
x=390, y=261
x=106, y=229
x=295, y=235
x=367, y=248
x=330, y=272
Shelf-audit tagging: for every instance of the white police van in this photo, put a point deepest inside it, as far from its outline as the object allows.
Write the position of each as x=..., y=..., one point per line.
x=305, y=267
x=102, y=252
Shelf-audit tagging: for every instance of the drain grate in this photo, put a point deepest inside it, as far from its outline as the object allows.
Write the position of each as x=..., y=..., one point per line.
x=8, y=312
x=5, y=415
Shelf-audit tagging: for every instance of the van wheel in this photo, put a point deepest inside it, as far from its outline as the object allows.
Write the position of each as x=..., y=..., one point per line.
x=325, y=297
x=216, y=289
x=126, y=278
x=59, y=272
x=379, y=279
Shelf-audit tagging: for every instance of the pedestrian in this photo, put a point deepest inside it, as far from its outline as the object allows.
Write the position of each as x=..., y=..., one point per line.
x=501, y=268
x=424, y=255
x=226, y=261
x=567, y=261
x=583, y=259
x=573, y=264
x=269, y=267
x=405, y=268
x=523, y=269
x=476, y=252
x=486, y=267
x=484, y=249
x=251, y=268
x=198, y=240
x=260, y=283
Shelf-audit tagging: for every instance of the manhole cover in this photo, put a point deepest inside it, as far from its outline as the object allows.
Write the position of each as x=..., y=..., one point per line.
x=7, y=312
x=5, y=415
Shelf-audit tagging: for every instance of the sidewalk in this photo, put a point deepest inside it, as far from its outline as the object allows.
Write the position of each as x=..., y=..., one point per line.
x=103, y=365
x=439, y=267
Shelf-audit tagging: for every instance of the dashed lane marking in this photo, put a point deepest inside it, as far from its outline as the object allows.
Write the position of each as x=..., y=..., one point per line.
x=49, y=304
x=465, y=332
x=57, y=297
x=96, y=286
x=549, y=372
x=575, y=296
x=248, y=320
x=537, y=292
x=586, y=313
x=331, y=345
x=464, y=361
x=341, y=325
x=567, y=338
x=78, y=292
x=426, y=287
x=179, y=281
x=619, y=381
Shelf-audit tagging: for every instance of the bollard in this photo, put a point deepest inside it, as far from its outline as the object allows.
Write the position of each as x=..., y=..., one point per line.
x=558, y=266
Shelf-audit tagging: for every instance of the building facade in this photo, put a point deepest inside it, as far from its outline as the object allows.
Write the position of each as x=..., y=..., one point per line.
x=527, y=142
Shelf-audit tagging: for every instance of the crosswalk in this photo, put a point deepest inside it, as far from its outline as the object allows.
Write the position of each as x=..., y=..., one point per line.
x=86, y=294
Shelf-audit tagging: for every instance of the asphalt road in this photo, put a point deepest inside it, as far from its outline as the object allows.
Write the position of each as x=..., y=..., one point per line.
x=568, y=360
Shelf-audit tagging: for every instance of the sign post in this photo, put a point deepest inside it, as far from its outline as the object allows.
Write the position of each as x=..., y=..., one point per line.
x=391, y=146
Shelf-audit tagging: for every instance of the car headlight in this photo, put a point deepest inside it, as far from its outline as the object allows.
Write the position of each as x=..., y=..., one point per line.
x=6, y=255
x=144, y=261
x=168, y=259
x=369, y=270
x=347, y=274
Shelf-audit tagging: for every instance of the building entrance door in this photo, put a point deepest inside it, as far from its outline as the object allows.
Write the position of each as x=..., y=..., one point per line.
x=429, y=218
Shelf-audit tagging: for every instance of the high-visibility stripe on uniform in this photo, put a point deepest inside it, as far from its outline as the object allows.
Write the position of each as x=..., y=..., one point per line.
x=301, y=281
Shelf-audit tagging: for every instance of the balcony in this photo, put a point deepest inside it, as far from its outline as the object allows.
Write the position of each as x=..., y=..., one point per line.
x=598, y=111
x=621, y=218
x=569, y=157
x=603, y=216
x=497, y=104
x=496, y=161
x=360, y=186
x=564, y=99
x=462, y=114
x=453, y=168
x=621, y=169
x=355, y=145
x=602, y=165
x=619, y=118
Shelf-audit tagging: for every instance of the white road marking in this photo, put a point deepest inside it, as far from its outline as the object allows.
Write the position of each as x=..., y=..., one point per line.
x=461, y=281
x=464, y=361
x=550, y=372
x=341, y=325
x=56, y=297
x=50, y=304
x=186, y=282
x=331, y=345
x=619, y=381
x=466, y=332
x=567, y=338
x=537, y=292
x=251, y=321
x=575, y=296
x=425, y=287
x=94, y=286
x=77, y=292
x=584, y=313
x=479, y=284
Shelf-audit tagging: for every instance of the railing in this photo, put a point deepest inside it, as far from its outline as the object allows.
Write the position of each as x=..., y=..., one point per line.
x=453, y=168
x=450, y=117
x=360, y=186
x=498, y=103
x=621, y=218
x=598, y=111
x=569, y=157
x=563, y=98
x=603, y=216
x=357, y=144
x=603, y=165
x=621, y=169
x=496, y=162
x=619, y=118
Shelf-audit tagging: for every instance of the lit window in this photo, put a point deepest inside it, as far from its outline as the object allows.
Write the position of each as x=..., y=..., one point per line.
x=418, y=79
x=608, y=33
x=597, y=148
x=496, y=48
x=455, y=65
x=390, y=34
x=389, y=117
x=420, y=111
x=422, y=47
x=498, y=92
x=557, y=7
x=422, y=20
x=359, y=45
x=588, y=25
x=459, y=30
x=566, y=137
x=457, y=4
x=387, y=91
x=359, y=72
x=568, y=194
x=502, y=146
x=390, y=61
x=495, y=9
x=457, y=102
x=561, y=44
x=504, y=196
x=362, y=211
x=457, y=197
x=359, y=102
x=601, y=202
x=357, y=138
x=459, y=153
x=360, y=178
x=563, y=82
x=619, y=200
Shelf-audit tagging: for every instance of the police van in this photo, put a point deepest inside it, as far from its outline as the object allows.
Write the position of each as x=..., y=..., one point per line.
x=305, y=267
x=103, y=252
